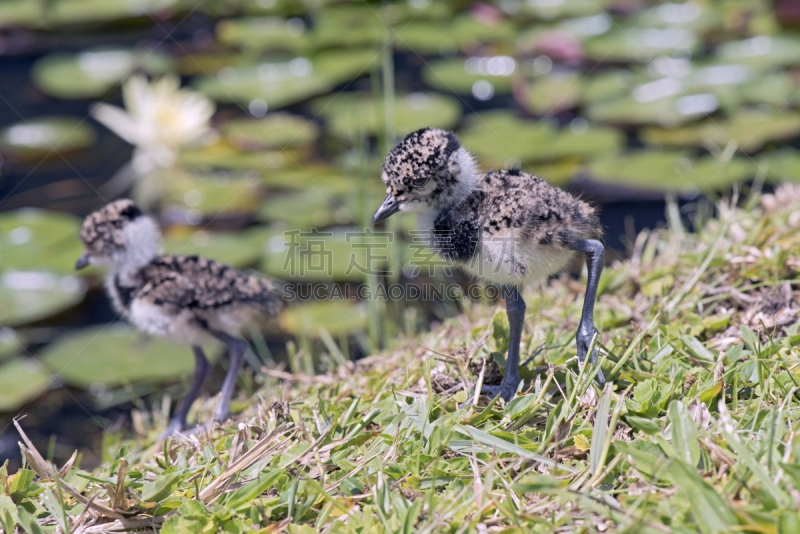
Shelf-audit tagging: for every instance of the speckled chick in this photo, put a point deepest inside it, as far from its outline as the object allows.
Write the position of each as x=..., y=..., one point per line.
x=505, y=227
x=187, y=299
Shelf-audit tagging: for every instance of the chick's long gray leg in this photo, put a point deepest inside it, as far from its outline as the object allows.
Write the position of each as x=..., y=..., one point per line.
x=595, y=258
x=236, y=349
x=515, y=309
x=201, y=371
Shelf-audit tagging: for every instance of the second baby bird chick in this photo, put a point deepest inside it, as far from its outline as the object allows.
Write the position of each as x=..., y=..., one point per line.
x=506, y=227
x=186, y=299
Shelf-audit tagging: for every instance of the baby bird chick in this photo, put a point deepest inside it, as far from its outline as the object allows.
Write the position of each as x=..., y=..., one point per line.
x=505, y=227
x=187, y=299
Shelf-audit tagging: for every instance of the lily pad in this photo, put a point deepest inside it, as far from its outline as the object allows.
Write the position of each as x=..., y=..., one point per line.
x=555, y=92
x=115, y=355
x=400, y=12
x=351, y=114
x=781, y=165
x=275, y=83
x=724, y=81
x=92, y=73
x=349, y=25
x=223, y=156
x=459, y=75
x=30, y=296
x=279, y=83
x=265, y=34
x=672, y=91
x=328, y=178
x=237, y=249
x=775, y=89
x=82, y=11
x=749, y=129
x=500, y=139
x=214, y=193
x=471, y=32
x=256, y=7
x=20, y=13
x=670, y=172
x=608, y=85
x=32, y=239
x=762, y=52
x=314, y=207
x=345, y=65
x=582, y=141
x=21, y=380
x=568, y=32
x=588, y=26
x=276, y=130
x=646, y=105
x=691, y=15
x=462, y=33
x=11, y=342
x=337, y=317
x=551, y=10
x=641, y=44
x=45, y=136
x=326, y=197
x=425, y=37
x=197, y=63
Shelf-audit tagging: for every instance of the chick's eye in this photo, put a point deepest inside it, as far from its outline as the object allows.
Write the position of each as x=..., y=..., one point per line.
x=419, y=182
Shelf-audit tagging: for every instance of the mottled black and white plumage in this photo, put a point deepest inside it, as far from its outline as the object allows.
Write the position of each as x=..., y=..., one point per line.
x=187, y=299
x=505, y=227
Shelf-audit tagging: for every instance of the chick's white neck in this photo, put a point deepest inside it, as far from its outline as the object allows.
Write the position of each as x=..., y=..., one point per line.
x=467, y=175
x=142, y=245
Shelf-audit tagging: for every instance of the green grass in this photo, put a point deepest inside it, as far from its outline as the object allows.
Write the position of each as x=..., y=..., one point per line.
x=694, y=433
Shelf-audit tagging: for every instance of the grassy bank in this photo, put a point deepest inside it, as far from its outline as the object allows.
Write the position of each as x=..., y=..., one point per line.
x=694, y=433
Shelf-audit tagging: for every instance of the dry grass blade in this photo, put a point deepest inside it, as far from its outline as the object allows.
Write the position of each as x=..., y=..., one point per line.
x=310, y=449
x=258, y=451
x=64, y=471
x=479, y=384
x=477, y=483
x=119, y=494
x=239, y=443
x=43, y=469
x=123, y=525
x=600, y=430
x=78, y=524
x=283, y=375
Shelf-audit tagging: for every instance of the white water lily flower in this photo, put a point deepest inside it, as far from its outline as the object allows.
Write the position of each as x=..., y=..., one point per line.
x=159, y=119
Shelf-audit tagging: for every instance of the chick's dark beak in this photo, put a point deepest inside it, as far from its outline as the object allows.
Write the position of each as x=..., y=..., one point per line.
x=390, y=206
x=82, y=262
